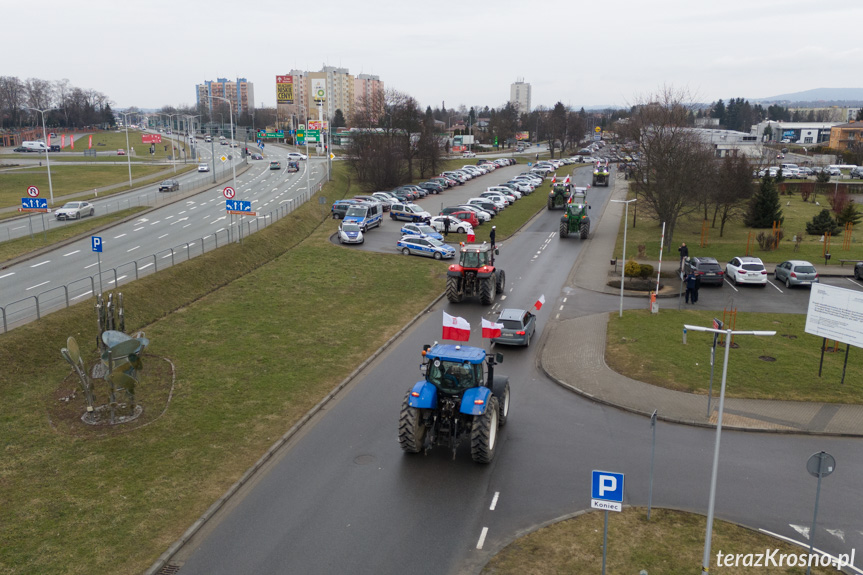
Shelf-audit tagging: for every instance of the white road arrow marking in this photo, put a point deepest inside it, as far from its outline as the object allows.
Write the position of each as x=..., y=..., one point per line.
x=837, y=533
x=804, y=531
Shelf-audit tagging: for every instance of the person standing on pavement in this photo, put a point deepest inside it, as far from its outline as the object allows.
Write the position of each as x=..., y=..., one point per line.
x=696, y=288
x=445, y=226
x=691, y=287
x=684, y=253
x=491, y=236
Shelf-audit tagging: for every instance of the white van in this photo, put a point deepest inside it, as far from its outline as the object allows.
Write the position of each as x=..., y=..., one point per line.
x=785, y=167
x=35, y=146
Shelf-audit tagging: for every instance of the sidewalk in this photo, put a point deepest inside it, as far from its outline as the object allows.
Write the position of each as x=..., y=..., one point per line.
x=586, y=372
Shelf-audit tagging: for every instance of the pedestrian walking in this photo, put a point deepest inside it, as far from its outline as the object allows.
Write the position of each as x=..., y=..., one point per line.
x=684, y=253
x=491, y=236
x=697, y=287
x=691, y=287
x=445, y=226
x=537, y=157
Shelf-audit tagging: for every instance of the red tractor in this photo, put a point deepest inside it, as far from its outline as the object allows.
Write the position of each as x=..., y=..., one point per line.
x=475, y=275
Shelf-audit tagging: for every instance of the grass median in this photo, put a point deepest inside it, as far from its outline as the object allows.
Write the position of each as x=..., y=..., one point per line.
x=671, y=542
x=258, y=334
x=649, y=347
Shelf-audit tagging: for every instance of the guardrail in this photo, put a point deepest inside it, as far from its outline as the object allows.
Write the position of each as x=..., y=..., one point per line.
x=24, y=310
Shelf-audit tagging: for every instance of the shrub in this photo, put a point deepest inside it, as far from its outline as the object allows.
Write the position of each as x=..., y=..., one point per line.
x=848, y=214
x=646, y=271
x=632, y=269
x=806, y=189
x=823, y=223
x=769, y=241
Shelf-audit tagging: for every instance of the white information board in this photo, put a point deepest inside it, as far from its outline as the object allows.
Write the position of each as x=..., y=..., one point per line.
x=836, y=313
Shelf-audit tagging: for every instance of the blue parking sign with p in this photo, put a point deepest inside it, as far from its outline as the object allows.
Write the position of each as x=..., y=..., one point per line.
x=606, y=490
x=97, y=243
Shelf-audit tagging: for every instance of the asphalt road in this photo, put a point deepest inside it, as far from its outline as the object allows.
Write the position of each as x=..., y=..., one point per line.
x=172, y=232
x=343, y=498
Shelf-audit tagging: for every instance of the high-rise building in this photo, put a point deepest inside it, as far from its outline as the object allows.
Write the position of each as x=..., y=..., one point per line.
x=299, y=93
x=240, y=93
x=519, y=96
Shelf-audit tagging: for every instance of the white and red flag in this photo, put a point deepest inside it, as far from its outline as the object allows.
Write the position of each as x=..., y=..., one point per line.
x=49, y=140
x=491, y=329
x=567, y=180
x=539, y=302
x=554, y=178
x=90, y=142
x=455, y=328
x=72, y=141
x=62, y=140
x=471, y=237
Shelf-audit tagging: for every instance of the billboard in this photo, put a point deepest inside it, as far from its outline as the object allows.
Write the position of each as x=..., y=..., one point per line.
x=835, y=313
x=522, y=135
x=285, y=89
x=151, y=138
x=318, y=125
x=319, y=89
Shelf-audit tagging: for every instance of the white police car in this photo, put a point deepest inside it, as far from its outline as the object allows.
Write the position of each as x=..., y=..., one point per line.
x=421, y=230
x=425, y=246
x=350, y=233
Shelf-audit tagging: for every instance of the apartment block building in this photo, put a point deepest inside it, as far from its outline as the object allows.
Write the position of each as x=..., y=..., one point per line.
x=323, y=92
x=240, y=93
x=519, y=96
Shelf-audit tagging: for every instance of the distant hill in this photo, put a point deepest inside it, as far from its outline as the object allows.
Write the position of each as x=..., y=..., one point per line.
x=820, y=96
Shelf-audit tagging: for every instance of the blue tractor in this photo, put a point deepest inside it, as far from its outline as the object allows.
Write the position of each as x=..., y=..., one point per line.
x=455, y=401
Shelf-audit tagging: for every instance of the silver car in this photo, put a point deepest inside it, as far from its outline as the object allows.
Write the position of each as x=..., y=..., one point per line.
x=74, y=211
x=796, y=273
x=518, y=327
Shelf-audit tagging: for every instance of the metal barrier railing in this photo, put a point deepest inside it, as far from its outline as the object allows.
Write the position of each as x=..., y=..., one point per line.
x=16, y=313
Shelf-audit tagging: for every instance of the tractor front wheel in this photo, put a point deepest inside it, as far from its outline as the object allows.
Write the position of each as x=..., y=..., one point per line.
x=564, y=229
x=412, y=431
x=483, y=434
x=584, y=230
x=453, y=293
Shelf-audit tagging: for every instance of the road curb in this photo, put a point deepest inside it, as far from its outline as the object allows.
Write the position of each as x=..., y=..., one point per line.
x=163, y=559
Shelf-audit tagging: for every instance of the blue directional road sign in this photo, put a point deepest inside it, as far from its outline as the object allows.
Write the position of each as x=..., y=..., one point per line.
x=238, y=206
x=607, y=491
x=96, y=242
x=34, y=203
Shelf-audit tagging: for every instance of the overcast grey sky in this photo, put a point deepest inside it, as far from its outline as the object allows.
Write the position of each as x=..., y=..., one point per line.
x=151, y=54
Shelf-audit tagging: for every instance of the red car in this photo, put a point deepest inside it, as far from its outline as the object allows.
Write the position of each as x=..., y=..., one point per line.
x=465, y=216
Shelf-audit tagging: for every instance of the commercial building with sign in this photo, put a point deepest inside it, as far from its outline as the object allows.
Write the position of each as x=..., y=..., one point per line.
x=333, y=88
x=794, y=132
x=240, y=92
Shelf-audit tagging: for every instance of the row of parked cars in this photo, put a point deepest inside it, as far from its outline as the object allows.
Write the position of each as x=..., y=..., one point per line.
x=751, y=270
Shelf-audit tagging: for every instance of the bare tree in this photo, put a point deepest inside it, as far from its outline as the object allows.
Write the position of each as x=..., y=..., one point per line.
x=671, y=173
x=730, y=189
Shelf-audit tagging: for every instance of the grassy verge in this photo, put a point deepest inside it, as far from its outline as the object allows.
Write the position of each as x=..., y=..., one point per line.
x=20, y=246
x=648, y=347
x=671, y=542
x=65, y=180
x=251, y=332
x=737, y=239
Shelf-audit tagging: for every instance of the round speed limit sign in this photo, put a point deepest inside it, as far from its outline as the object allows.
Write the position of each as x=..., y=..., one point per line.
x=229, y=192
x=33, y=192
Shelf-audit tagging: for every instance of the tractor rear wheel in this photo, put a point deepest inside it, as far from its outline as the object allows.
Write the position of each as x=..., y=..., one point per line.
x=486, y=290
x=550, y=204
x=483, y=434
x=584, y=229
x=412, y=431
x=501, y=281
x=564, y=229
x=453, y=293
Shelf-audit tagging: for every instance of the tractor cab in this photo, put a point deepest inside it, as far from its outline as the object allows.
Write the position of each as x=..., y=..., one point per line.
x=455, y=368
x=476, y=256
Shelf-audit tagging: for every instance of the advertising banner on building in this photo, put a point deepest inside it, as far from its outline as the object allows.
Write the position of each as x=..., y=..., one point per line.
x=319, y=89
x=318, y=125
x=285, y=89
x=522, y=135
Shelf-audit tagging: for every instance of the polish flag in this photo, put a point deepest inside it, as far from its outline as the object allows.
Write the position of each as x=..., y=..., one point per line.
x=90, y=142
x=72, y=141
x=471, y=237
x=567, y=180
x=62, y=140
x=49, y=140
x=455, y=328
x=491, y=329
x=539, y=302
x=554, y=178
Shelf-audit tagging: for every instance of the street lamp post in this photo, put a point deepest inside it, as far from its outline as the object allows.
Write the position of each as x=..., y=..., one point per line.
x=231, y=117
x=171, y=127
x=705, y=562
x=623, y=257
x=192, y=131
x=128, y=150
x=47, y=151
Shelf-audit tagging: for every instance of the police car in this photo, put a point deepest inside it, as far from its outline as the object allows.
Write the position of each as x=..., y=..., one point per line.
x=350, y=233
x=420, y=230
x=425, y=246
x=409, y=212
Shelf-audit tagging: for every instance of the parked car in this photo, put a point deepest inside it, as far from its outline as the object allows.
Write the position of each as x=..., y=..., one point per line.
x=424, y=246
x=746, y=270
x=409, y=212
x=518, y=327
x=420, y=230
x=54, y=148
x=468, y=155
x=350, y=233
x=465, y=216
x=121, y=152
x=74, y=211
x=432, y=187
x=340, y=208
x=706, y=268
x=481, y=215
x=797, y=273
x=858, y=270
x=169, y=186
x=203, y=167
x=455, y=225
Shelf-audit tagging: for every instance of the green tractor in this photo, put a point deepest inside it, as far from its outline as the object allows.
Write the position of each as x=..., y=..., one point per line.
x=559, y=195
x=600, y=175
x=575, y=219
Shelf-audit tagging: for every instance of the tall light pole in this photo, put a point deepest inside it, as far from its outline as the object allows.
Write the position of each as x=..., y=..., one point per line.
x=128, y=150
x=47, y=151
x=705, y=561
x=190, y=117
x=171, y=127
x=623, y=257
x=233, y=151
